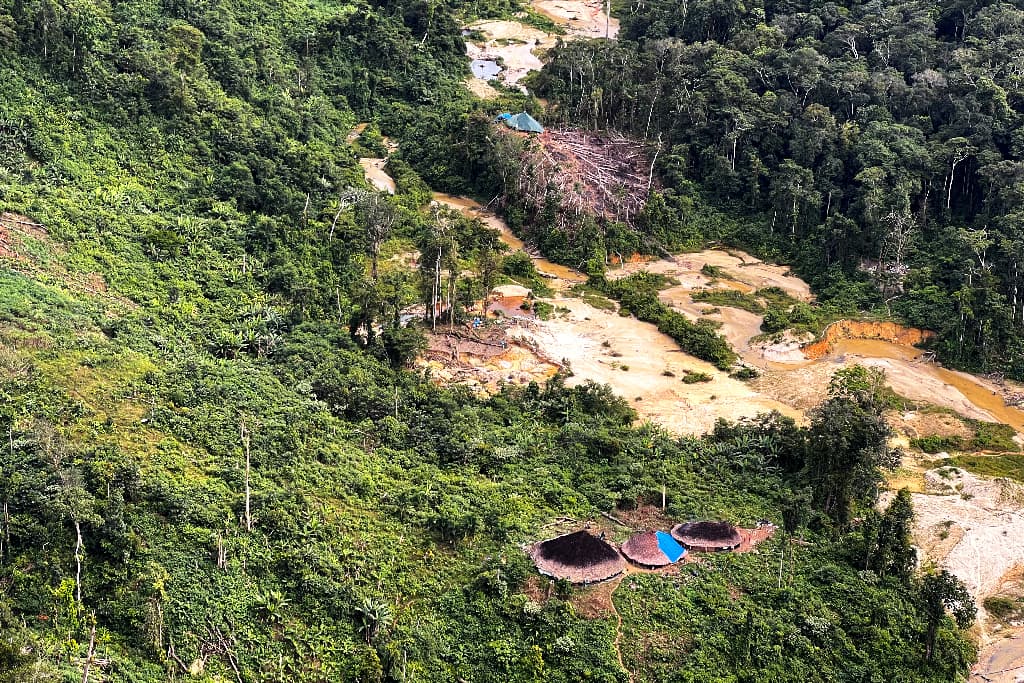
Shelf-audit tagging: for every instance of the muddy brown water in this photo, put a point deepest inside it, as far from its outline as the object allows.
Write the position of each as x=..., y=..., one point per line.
x=975, y=392
x=974, y=389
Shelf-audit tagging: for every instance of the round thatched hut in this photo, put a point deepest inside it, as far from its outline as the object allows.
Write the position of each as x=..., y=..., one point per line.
x=707, y=536
x=653, y=549
x=579, y=557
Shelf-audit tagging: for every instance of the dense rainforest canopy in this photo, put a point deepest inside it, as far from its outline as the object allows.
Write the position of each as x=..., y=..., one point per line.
x=879, y=146
x=215, y=467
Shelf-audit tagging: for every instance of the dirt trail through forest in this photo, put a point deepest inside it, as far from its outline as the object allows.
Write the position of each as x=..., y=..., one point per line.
x=617, y=643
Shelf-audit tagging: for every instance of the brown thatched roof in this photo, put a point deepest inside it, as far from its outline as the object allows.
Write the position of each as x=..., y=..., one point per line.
x=643, y=549
x=707, y=535
x=579, y=557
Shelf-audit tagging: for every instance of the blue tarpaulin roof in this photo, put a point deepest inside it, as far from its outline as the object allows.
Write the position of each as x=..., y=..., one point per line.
x=668, y=545
x=524, y=122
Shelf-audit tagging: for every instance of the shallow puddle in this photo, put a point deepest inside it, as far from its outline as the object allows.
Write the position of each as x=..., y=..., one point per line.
x=485, y=69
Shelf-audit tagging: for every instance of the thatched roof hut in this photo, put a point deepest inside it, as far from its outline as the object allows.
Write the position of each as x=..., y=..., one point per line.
x=653, y=549
x=579, y=557
x=707, y=536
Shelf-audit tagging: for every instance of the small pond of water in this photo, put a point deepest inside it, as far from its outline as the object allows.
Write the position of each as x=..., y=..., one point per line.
x=485, y=68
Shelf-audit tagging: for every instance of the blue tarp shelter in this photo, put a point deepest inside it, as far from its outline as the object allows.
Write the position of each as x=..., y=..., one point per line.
x=670, y=546
x=522, y=121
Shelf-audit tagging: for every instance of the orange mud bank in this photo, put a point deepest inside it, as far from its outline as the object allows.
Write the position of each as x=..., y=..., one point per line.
x=864, y=329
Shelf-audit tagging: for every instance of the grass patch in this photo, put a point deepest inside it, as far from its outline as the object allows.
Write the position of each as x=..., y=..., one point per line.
x=729, y=297
x=937, y=444
x=715, y=272
x=988, y=436
x=993, y=436
x=1003, y=607
x=692, y=377
x=1010, y=466
x=593, y=297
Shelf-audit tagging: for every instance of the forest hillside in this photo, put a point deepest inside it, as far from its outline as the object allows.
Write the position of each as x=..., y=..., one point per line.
x=224, y=459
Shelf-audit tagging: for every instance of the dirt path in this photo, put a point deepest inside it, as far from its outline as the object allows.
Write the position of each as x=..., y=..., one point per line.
x=617, y=643
x=559, y=276
x=376, y=175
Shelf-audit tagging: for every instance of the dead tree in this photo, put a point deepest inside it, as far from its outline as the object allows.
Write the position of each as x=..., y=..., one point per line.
x=244, y=434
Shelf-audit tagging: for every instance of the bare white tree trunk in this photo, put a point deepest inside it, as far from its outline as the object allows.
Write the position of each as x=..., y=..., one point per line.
x=78, y=562
x=91, y=653
x=244, y=433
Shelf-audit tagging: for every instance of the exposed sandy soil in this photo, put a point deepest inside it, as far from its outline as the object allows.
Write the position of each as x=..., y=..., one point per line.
x=974, y=527
x=990, y=515
x=891, y=332
x=376, y=175
x=918, y=423
x=745, y=271
x=520, y=46
x=581, y=19
x=514, y=43
x=1002, y=661
x=354, y=134
x=633, y=363
x=789, y=383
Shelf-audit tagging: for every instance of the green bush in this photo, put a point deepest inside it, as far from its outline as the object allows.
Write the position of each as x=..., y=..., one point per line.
x=692, y=377
x=936, y=444
x=638, y=294
x=1001, y=606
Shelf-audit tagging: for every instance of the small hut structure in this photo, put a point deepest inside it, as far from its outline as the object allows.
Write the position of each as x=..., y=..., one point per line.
x=653, y=549
x=521, y=122
x=579, y=557
x=707, y=536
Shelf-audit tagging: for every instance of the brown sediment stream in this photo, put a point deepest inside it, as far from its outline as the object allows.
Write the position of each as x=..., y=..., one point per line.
x=865, y=329
x=549, y=269
x=919, y=380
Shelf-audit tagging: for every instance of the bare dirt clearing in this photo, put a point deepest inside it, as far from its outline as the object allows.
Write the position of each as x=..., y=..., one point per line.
x=974, y=527
x=747, y=271
x=518, y=47
x=633, y=358
x=581, y=19
x=512, y=44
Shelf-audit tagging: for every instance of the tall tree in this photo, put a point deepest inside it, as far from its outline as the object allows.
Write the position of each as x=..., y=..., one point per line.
x=849, y=443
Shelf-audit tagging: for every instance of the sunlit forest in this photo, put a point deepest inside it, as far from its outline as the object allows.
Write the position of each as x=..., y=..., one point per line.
x=224, y=461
